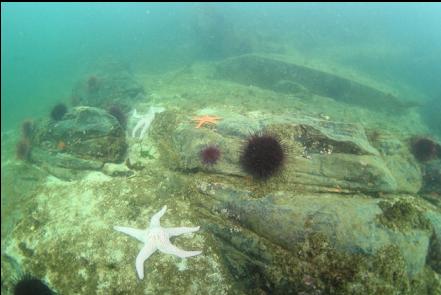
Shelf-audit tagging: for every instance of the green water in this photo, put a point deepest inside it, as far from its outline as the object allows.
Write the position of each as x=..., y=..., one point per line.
x=258, y=66
x=45, y=47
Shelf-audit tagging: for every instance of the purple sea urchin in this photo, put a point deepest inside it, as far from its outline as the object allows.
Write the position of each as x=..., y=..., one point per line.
x=425, y=149
x=58, y=111
x=210, y=155
x=262, y=156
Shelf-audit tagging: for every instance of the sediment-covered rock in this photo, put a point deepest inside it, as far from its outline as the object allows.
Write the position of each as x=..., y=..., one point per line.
x=288, y=77
x=84, y=139
x=108, y=88
x=323, y=156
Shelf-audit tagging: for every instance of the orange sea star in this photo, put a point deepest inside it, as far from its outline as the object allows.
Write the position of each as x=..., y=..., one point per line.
x=206, y=119
x=61, y=145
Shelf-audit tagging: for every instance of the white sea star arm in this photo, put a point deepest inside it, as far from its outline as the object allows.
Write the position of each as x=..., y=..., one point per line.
x=176, y=231
x=133, y=232
x=145, y=128
x=169, y=248
x=137, y=127
x=135, y=114
x=155, y=237
x=145, y=253
x=154, y=221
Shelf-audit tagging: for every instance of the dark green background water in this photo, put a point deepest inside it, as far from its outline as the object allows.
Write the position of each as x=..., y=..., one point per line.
x=46, y=47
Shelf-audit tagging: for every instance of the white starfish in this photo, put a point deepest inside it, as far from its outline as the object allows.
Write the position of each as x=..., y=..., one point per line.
x=155, y=237
x=144, y=121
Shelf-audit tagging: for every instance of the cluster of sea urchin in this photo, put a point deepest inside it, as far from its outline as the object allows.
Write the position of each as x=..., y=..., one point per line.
x=262, y=155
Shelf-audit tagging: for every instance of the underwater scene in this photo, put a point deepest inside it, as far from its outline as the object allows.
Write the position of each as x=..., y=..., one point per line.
x=220, y=148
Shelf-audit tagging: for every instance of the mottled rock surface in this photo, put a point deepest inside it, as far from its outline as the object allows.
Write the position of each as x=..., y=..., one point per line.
x=84, y=139
x=71, y=224
x=352, y=224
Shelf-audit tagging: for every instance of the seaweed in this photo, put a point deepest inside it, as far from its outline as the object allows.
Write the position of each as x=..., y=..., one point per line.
x=402, y=215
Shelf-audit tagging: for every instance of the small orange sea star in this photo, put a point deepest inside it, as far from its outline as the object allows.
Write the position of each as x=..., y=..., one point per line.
x=206, y=119
x=61, y=145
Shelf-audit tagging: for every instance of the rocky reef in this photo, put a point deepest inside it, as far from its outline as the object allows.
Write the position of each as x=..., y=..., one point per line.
x=348, y=213
x=281, y=75
x=325, y=156
x=85, y=139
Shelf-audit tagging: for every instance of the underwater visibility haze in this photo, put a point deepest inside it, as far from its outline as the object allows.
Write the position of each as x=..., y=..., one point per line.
x=220, y=148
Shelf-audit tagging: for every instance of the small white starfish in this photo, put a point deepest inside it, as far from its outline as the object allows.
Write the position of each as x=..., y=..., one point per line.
x=144, y=121
x=155, y=237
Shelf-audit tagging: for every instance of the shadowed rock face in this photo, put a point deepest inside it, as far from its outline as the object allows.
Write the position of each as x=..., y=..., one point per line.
x=285, y=77
x=85, y=139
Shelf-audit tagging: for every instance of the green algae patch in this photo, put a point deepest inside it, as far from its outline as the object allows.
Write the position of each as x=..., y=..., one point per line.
x=164, y=125
x=402, y=215
x=315, y=267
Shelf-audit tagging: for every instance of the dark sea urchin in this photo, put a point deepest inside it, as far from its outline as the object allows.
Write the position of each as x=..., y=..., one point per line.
x=262, y=156
x=210, y=155
x=425, y=149
x=118, y=113
x=58, y=111
x=29, y=285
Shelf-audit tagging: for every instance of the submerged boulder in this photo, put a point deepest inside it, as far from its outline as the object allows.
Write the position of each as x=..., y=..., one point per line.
x=353, y=225
x=299, y=242
x=84, y=139
x=108, y=88
x=323, y=156
x=279, y=75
